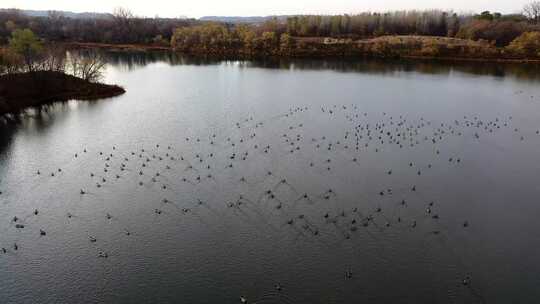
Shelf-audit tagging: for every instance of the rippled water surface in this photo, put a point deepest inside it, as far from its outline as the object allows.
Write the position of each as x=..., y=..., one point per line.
x=280, y=182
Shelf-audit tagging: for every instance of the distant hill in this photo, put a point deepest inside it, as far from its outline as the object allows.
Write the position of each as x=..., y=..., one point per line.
x=239, y=19
x=90, y=15
x=85, y=15
x=235, y=19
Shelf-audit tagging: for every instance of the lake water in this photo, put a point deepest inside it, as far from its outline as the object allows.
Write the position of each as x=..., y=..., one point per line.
x=280, y=182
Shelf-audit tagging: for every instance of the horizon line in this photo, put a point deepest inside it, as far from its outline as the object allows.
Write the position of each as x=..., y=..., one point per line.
x=180, y=16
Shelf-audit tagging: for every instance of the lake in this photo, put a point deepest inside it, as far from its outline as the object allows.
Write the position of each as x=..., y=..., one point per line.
x=296, y=181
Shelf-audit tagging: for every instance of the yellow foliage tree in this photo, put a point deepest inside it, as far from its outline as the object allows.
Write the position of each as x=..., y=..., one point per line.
x=527, y=44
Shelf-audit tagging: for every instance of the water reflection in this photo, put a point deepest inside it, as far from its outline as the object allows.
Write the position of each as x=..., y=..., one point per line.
x=135, y=60
x=207, y=174
x=37, y=120
x=6, y=135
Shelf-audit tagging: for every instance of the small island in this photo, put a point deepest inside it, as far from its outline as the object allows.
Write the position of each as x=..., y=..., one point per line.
x=33, y=74
x=24, y=90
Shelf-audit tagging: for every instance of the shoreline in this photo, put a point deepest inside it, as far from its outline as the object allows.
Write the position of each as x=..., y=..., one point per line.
x=117, y=47
x=343, y=51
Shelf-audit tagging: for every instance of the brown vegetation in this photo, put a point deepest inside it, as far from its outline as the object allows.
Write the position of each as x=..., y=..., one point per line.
x=431, y=47
x=118, y=47
x=430, y=33
x=526, y=45
x=123, y=27
x=405, y=46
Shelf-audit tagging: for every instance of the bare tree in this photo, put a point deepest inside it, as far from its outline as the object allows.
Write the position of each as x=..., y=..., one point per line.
x=122, y=13
x=123, y=19
x=88, y=65
x=532, y=11
x=54, y=59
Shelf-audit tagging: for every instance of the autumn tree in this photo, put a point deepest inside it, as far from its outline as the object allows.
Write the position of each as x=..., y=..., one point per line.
x=207, y=36
x=27, y=45
x=527, y=44
x=286, y=43
x=269, y=40
x=249, y=39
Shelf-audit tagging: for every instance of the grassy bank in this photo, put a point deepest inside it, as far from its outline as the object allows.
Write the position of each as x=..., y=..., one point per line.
x=33, y=89
x=406, y=46
x=118, y=47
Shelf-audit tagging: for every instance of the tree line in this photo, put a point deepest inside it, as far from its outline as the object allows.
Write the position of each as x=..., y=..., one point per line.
x=280, y=35
x=497, y=35
x=494, y=27
x=501, y=29
x=120, y=27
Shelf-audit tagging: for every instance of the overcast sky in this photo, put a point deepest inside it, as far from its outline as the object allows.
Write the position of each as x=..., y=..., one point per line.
x=198, y=8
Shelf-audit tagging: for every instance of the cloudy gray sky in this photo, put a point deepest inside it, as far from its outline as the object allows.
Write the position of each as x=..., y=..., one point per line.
x=197, y=8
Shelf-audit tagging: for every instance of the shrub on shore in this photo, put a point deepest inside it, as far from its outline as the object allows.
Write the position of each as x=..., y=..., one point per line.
x=527, y=44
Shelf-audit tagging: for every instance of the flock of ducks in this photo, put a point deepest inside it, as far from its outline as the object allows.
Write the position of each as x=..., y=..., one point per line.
x=277, y=167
